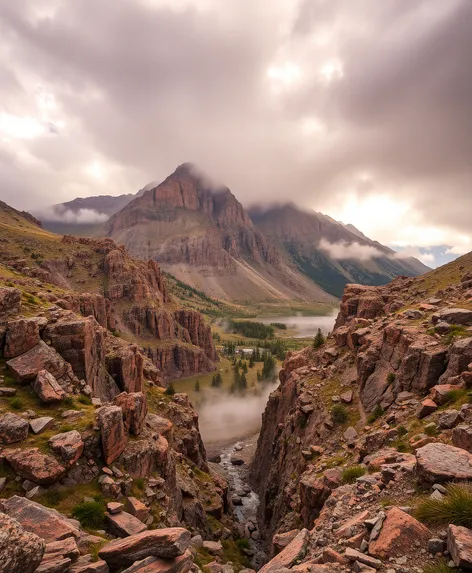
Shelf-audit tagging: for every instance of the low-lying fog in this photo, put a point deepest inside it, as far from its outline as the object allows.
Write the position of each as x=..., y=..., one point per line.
x=304, y=326
x=226, y=417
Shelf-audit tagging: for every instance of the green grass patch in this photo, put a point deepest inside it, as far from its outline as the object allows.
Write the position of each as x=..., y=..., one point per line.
x=440, y=567
x=350, y=475
x=455, y=507
x=17, y=404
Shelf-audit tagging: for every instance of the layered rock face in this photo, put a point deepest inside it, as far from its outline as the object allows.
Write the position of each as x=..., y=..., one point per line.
x=357, y=426
x=201, y=234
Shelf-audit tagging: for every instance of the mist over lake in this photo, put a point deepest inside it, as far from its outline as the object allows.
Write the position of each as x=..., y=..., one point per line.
x=304, y=326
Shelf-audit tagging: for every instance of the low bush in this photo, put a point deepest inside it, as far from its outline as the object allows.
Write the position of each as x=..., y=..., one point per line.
x=16, y=403
x=350, y=475
x=339, y=414
x=170, y=390
x=90, y=514
x=376, y=413
x=439, y=567
x=455, y=507
x=391, y=377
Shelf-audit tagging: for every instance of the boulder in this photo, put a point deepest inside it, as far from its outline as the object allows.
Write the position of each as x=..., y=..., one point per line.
x=449, y=419
x=124, y=524
x=440, y=393
x=63, y=548
x=400, y=531
x=134, y=408
x=164, y=543
x=460, y=316
x=13, y=429
x=42, y=357
x=462, y=437
x=158, y=424
x=54, y=565
x=10, y=302
x=47, y=388
x=22, y=335
x=180, y=564
x=214, y=547
x=460, y=356
x=358, y=557
x=459, y=545
x=39, y=425
x=112, y=431
x=350, y=435
x=426, y=408
x=33, y=465
x=68, y=445
x=137, y=508
x=437, y=463
x=346, y=397
x=46, y=523
x=20, y=551
x=293, y=553
x=281, y=540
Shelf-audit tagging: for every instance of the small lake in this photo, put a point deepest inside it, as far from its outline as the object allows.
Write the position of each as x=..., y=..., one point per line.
x=303, y=326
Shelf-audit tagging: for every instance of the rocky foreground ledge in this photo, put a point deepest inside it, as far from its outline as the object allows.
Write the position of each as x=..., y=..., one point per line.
x=365, y=432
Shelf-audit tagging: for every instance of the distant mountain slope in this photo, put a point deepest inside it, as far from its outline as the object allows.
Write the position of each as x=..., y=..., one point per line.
x=84, y=215
x=330, y=253
x=202, y=235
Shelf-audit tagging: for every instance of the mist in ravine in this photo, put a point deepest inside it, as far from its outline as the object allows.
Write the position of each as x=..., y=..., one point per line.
x=225, y=417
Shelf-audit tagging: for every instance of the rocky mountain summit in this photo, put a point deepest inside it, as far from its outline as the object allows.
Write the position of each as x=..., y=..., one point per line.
x=201, y=234
x=364, y=461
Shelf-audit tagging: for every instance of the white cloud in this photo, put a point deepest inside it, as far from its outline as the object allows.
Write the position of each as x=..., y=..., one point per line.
x=342, y=251
x=61, y=215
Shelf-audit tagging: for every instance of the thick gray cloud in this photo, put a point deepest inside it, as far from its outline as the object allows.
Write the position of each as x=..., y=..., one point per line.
x=314, y=101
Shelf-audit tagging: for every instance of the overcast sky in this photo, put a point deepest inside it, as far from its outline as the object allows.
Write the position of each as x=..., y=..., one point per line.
x=361, y=109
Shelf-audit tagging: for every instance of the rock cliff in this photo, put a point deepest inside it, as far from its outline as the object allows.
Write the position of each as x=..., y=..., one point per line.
x=98, y=279
x=366, y=426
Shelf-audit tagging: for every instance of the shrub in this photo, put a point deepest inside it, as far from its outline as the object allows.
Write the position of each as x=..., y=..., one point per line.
x=455, y=507
x=376, y=413
x=16, y=403
x=402, y=431
x=69, y=402
x=243, y=543
x=350, y=475
x=339, y=414
x=390, y=377
x=170, y=390
x=84, y=400
x=90, y=514
x=140, y=484
x=402, y=447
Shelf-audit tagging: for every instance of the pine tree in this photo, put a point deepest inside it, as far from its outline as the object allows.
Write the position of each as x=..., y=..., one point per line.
x=319, y=339
x=170, y=390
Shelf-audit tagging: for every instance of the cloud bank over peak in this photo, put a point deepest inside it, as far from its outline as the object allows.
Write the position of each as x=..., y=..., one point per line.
x=329, y=102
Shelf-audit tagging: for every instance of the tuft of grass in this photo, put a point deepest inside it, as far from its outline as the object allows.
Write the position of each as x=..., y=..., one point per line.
x=90, y=514
x=140, y=484
x=376, y=413
x=455, y=331
x=84, y=400
x=52, y=497
x=339, y=414
x=452, y=396
x=439, y=567
x=16, y=404
x=350, y=475
x=69, y=402
x=430, y=430
x=391, y=378
x=455, y=507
